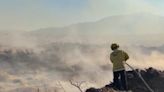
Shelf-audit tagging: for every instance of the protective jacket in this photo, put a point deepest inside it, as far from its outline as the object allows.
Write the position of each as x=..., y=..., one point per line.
x=118, y=57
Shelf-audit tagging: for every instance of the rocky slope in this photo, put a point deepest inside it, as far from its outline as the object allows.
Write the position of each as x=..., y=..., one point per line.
x=153, y=77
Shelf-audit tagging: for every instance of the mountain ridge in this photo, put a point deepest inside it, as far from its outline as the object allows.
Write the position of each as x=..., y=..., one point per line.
x=108, y=20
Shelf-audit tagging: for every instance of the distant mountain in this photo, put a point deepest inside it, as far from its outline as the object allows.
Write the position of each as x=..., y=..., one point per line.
x=113, y=26
x=121, y=24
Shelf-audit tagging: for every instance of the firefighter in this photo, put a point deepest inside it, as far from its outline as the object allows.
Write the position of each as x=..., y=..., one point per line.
x=118, y=57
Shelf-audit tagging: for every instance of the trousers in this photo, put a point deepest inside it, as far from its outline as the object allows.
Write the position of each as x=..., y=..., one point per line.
x=120, y=80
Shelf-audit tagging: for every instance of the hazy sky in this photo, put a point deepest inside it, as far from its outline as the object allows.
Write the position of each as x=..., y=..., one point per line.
x=35, y=14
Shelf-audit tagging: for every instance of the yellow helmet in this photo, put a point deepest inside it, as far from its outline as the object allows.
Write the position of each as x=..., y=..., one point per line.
x=114, y=46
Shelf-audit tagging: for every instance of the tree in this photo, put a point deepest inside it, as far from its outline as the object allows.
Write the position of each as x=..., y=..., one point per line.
x=77, y=85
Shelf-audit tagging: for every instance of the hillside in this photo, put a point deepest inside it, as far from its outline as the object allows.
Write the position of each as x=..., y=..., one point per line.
x=118, y=28
x=112, y=27
x=134, y=23
x=154, y=78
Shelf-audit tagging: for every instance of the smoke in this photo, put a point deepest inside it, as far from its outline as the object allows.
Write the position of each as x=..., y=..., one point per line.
x=70, y=61
x=119, y=7
x=27, y=62
x=57, y=62
x=147, y=56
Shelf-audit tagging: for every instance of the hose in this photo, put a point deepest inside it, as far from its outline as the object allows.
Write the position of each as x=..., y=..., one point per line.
x=140, y=76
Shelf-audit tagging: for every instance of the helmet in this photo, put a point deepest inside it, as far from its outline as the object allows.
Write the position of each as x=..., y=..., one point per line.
x=114, y=46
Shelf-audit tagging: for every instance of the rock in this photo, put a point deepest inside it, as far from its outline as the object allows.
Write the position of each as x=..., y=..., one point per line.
x=152, y=76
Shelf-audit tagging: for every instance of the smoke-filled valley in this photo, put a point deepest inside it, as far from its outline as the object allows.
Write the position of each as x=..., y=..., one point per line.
x=49, y=58
x=57, y=63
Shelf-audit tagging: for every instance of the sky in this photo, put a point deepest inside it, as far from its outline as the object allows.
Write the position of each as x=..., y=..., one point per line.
x=35, y=14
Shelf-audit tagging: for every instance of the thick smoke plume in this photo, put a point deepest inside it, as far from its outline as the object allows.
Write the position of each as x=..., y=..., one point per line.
x=60, y=62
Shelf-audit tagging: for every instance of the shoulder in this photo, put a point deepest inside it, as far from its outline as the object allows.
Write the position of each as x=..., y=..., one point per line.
x=122, y=51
